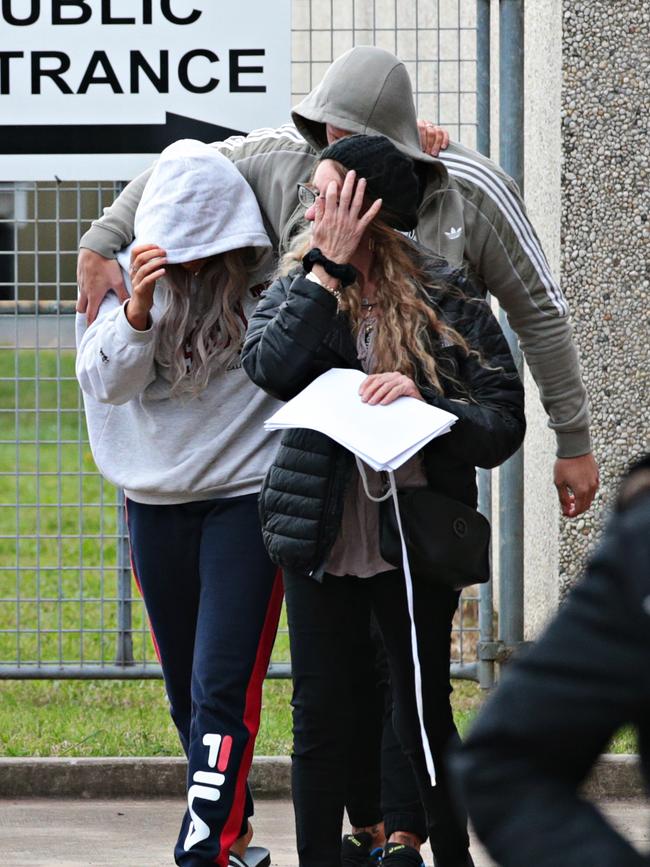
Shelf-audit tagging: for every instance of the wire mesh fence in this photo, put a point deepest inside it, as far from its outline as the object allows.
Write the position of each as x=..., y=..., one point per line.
x=68, y=606
x=436, y=40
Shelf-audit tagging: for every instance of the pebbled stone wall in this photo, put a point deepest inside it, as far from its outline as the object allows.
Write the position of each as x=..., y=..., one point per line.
x=606, y=237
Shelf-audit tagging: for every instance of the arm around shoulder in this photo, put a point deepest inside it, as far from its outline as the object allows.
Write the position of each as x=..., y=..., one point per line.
x=97, y=270
x=505, y=251
x=114, y=229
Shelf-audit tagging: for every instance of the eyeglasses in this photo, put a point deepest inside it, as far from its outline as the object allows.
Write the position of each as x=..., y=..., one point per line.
x=307, y=195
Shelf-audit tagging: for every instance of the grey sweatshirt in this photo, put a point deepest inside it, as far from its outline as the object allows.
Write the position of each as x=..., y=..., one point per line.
x=158, y=447
x=471, y=213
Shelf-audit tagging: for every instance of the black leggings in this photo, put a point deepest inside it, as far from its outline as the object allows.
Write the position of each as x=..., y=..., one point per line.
x=329, y=624
x=381, y=788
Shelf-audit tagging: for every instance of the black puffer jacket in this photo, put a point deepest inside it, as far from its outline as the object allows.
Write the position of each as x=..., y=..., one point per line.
x=296, y=334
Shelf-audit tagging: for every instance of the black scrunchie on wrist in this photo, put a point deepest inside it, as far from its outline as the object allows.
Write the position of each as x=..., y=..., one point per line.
x=346, y=274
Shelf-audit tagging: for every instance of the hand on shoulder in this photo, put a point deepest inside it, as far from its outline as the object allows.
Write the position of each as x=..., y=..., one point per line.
x=96, y=276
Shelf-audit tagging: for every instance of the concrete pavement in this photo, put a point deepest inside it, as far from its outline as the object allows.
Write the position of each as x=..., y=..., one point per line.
x=141, y=833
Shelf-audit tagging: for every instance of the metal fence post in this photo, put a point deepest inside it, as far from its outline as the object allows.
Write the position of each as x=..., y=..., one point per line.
x=483, y=76
x=124, y=648
x=486, y=628
x=511, y=157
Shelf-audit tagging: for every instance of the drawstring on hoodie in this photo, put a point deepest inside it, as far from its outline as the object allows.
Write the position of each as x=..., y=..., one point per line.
x=392, y=492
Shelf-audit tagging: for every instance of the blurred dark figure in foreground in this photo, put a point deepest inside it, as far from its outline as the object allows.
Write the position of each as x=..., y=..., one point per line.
x=558, y=706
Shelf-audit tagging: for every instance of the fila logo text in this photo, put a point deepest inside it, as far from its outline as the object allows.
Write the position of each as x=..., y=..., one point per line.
x=207, y=785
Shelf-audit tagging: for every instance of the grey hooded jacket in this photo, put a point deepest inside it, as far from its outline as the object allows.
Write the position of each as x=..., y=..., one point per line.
x=164, y=448
x=471, y=213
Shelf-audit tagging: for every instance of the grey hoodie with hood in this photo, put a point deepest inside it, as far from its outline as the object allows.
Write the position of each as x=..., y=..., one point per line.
x=160, y=447
x=470, y=212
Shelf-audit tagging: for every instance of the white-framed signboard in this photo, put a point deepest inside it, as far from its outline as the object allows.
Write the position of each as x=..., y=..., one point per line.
x=95, y=89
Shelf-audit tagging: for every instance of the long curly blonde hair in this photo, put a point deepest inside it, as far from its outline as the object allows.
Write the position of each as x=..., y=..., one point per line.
x=403, y=333
x=202, y=326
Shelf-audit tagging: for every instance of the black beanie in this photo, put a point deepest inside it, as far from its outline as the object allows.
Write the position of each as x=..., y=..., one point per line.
x=389, y=173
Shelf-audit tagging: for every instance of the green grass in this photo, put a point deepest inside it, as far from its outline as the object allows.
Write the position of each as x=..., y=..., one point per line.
x=130, y=718
x=625, y=741
x=112, y=718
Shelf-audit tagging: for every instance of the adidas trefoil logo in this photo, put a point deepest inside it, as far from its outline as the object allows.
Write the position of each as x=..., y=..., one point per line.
x=454, y=234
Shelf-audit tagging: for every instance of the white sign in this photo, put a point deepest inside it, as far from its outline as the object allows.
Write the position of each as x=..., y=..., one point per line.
x=95, y=89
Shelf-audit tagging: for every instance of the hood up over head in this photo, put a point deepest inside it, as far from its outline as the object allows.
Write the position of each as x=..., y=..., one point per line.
x=196, y=204
x=367, y=90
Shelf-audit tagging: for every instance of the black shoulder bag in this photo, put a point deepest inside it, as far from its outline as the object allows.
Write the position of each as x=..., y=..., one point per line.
x=447, y=542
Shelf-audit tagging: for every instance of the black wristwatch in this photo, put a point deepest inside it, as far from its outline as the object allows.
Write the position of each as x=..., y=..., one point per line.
x=346, y=274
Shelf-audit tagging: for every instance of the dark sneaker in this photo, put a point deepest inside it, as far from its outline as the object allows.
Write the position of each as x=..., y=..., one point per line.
x=357, y=851
x=401, y=855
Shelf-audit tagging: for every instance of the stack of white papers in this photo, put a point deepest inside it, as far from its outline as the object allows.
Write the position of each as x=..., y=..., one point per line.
x=382, y=436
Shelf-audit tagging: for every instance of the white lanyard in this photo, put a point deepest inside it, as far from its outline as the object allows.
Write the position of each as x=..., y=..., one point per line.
x=392, y=491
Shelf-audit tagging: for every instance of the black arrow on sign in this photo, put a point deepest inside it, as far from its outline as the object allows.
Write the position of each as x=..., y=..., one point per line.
x=108, y=139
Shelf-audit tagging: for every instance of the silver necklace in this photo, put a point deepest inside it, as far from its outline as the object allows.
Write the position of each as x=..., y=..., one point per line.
x=367, y=306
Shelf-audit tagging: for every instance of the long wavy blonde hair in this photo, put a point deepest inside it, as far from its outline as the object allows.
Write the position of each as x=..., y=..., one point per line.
x=403, y=333
x=202, y=325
